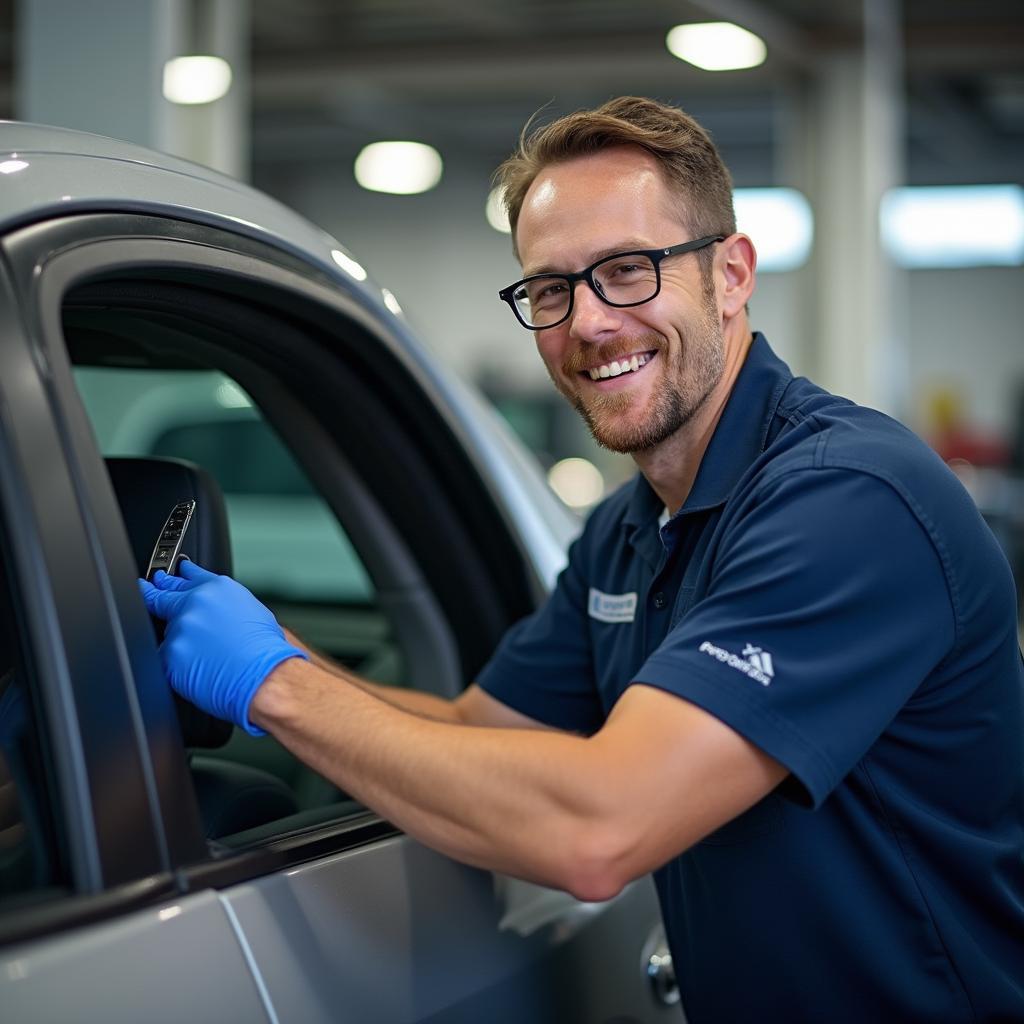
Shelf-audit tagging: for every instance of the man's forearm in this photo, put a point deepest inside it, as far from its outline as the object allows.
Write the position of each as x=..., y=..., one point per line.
x=482, y=795
x=427, y=705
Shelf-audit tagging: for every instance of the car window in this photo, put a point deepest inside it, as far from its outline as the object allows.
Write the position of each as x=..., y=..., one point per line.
x=29, y=861
x=287, y=546
x=285, y=541
x=356, y=511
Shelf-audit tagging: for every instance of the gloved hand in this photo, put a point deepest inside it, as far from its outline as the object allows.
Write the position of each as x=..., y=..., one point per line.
x=220, y=644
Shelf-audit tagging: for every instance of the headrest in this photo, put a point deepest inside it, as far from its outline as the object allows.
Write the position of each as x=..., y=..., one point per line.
x=147, y=489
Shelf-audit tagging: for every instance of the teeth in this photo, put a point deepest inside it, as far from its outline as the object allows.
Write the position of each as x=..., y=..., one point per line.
x=615, y=368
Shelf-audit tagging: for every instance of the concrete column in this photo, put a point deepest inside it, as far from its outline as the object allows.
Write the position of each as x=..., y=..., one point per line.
x=848, y=151
x=218, y=134
x=98, y=66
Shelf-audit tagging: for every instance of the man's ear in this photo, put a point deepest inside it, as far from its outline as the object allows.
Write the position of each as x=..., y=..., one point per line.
x=737, y=260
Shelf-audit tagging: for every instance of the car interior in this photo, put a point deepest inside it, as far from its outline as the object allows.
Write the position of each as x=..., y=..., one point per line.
x=232, y=796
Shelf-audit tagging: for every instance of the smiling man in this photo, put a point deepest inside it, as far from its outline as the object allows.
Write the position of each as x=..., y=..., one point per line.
x=780, y=670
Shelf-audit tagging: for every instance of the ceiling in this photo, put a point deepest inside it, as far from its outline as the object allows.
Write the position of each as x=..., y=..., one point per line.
x=328, y=76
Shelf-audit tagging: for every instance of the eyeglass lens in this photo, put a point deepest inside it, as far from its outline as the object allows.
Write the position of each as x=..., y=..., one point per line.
x=621, y=281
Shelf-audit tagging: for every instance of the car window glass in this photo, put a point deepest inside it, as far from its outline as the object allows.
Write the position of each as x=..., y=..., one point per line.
x=287, y=547
x=29, y=860
x=285, y=541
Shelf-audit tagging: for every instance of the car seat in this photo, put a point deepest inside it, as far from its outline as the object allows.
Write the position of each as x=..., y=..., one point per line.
x=231, y=796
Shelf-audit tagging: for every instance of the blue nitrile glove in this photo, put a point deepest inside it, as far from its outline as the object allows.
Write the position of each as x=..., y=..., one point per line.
x=220, y=644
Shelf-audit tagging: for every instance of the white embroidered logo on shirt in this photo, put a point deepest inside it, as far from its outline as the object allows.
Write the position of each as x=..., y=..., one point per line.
x=758, y=664
x=611, y=607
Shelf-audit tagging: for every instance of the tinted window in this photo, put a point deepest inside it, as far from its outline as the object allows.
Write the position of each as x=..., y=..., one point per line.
x=29, y=862
x=286, y=546
x=244, y=455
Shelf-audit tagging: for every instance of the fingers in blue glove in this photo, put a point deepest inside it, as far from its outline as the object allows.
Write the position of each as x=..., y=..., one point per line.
x=193, y=572
x=164, y=582
x=190, y=574
x=221, y=644
x=162, y=603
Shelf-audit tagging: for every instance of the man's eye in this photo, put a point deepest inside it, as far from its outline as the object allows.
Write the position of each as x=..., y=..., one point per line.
x=549, y=292
x=625, y=269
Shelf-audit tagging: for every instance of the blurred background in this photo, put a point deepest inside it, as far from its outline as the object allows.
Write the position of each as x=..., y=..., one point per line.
x=877, y=147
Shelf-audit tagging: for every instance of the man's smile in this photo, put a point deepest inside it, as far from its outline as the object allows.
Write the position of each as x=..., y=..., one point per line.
x=629, y=364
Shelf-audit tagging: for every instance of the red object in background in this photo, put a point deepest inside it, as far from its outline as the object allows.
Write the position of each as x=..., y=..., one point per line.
x=971, y=446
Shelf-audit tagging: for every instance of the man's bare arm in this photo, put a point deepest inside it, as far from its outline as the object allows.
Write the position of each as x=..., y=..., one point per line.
x=472, y=707
x=484, y=795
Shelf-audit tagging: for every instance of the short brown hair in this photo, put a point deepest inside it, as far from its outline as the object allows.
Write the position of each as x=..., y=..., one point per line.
x=688, y=158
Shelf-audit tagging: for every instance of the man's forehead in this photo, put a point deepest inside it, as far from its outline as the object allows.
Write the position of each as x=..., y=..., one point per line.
x=590, y=204
x=621, y=168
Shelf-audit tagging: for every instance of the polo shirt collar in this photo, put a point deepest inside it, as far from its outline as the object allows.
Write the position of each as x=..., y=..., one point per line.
x=739, y=438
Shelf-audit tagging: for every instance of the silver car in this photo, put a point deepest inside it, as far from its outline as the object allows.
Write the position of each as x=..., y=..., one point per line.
x=169, y=334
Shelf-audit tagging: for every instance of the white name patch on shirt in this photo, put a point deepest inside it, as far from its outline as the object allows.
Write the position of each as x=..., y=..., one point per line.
x=612, y=607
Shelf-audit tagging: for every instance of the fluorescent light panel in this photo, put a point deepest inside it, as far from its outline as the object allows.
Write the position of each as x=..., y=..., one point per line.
x=716, y=46
x=193, y=80
x=780, y=224
x=400, y=168
x=954, y=226
x=495, y=212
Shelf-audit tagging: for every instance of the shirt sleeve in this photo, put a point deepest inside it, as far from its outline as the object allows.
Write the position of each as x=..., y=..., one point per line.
x=826, y=609
x=543, y=666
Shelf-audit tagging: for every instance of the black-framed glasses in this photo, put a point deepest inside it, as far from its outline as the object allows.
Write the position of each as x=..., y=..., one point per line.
x=624, y=279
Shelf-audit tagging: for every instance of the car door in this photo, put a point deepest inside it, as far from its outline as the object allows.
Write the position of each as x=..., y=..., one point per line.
x=92, y=912
x=329, y=912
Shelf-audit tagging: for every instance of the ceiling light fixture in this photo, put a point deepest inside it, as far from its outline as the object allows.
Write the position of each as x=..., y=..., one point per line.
x=400, y=168
x=780, y=224
x=194, y=80
x=495, y=212
x=954, y=225
x=716, y=46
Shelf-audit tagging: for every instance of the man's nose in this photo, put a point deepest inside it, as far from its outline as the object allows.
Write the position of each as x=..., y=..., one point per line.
x=591, y=318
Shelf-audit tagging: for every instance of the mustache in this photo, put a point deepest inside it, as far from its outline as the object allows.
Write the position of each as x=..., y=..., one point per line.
x=582, y=359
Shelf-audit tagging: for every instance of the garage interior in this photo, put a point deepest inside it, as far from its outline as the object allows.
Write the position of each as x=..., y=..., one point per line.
x=853, y=102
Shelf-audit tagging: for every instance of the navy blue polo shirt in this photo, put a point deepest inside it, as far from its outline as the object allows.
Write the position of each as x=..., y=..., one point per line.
x=829, y=591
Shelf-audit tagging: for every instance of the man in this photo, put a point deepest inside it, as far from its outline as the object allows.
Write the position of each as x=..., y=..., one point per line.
x=780, y=671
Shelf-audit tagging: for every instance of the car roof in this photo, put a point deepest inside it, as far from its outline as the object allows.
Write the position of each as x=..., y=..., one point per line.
x=49, y=171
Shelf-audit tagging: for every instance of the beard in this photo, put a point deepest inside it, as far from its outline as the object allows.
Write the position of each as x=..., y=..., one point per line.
x=690, y=374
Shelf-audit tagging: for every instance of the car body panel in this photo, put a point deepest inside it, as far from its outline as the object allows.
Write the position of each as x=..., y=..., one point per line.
x=399, y=933
x=180, y=961
x=69, y=172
